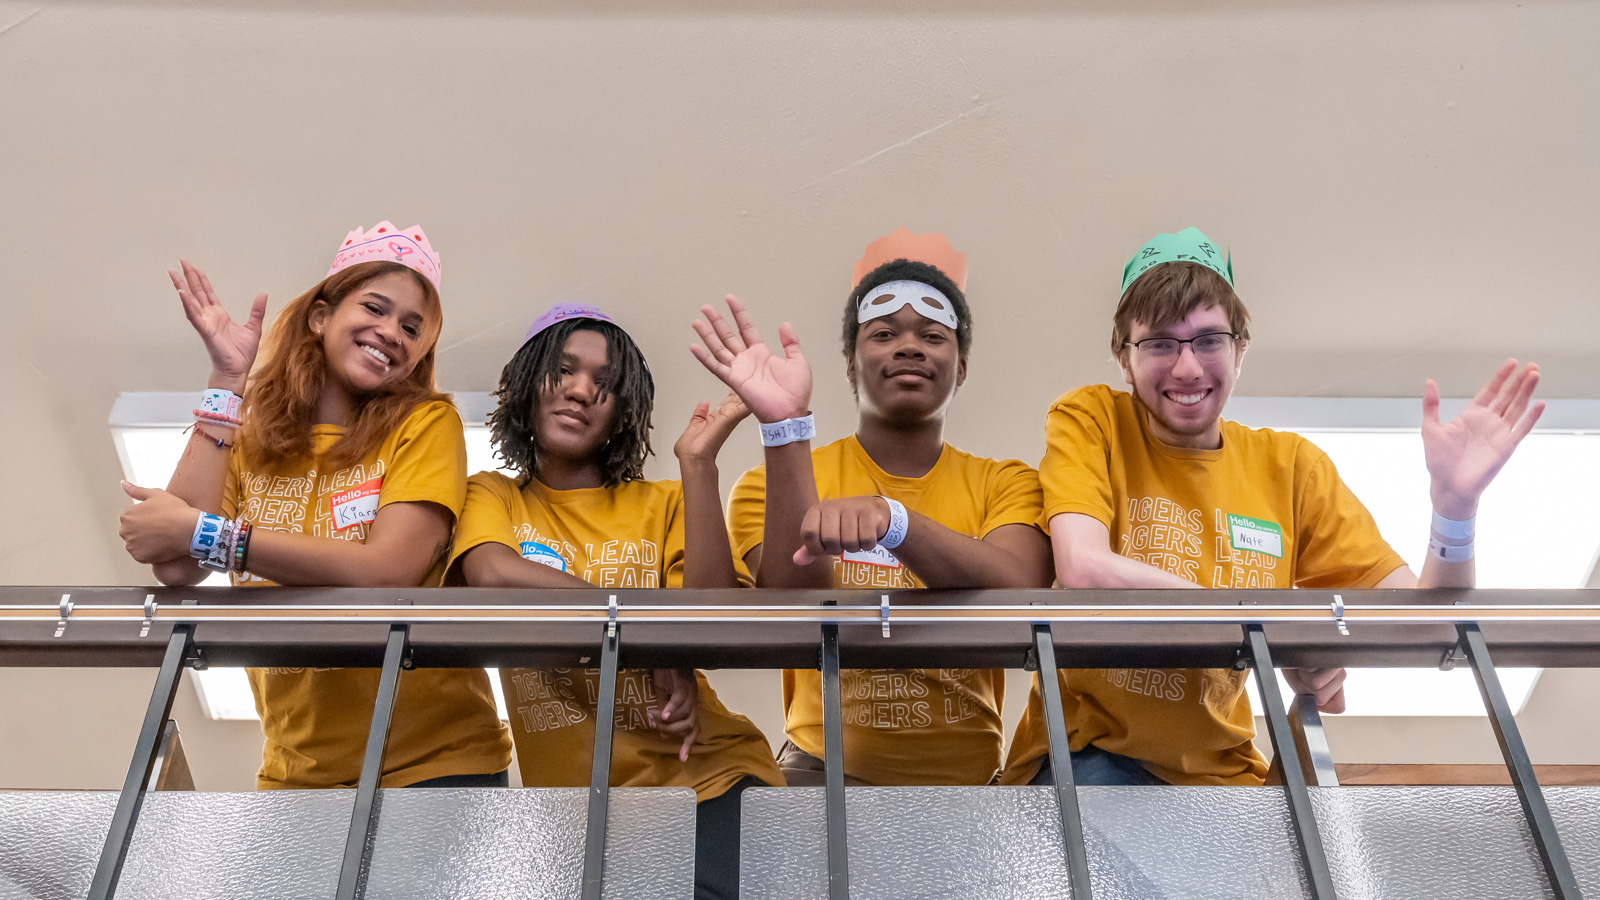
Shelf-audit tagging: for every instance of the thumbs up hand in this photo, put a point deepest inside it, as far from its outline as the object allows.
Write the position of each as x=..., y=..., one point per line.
x=158, y=527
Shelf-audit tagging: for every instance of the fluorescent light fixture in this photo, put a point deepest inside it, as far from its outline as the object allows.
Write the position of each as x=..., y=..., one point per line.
x=148, y=429
x=1552, y=481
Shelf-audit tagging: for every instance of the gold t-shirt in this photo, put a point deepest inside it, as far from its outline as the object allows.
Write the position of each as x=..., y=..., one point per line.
x=903, y=726
x=316, y=720
x=1267, y=510
x=629, y=536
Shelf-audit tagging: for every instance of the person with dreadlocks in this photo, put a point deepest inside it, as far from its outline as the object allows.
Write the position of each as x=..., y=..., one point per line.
x=573, y=421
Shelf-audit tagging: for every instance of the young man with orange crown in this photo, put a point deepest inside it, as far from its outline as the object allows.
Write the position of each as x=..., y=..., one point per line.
x=890, y=506
x=1152, y=488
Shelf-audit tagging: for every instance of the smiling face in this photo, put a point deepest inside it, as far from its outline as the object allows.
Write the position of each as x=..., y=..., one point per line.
x=1183, y=394
x=573, y=420
x=906, y=368
x=376, y=335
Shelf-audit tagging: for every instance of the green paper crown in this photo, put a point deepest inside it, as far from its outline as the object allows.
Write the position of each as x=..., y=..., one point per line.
x=1188, y=245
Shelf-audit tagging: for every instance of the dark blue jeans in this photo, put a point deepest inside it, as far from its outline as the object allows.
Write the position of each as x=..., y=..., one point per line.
x=1091, y=765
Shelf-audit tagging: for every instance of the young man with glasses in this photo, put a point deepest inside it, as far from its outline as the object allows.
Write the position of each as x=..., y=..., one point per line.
x=1152, y=488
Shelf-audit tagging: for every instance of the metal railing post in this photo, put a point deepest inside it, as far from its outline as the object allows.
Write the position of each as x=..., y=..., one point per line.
x=1044, y=647
x=1286, y=758
x=833, y=767
x=364, y=813
x=605, y=713
x=1556, y=865
x=120, y=835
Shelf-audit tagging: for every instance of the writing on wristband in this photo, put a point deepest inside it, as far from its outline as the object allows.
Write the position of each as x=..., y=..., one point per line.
x=207, y=532
x=899, y=524
x=220, y=403
x=1454, y=531
x=1449, y=553
x=788, y=431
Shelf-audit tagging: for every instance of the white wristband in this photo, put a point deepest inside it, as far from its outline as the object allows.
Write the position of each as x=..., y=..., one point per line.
x=1454, y=531
x=221, y=402
x=1449, y=553
x=788, y=431
x=899, y=523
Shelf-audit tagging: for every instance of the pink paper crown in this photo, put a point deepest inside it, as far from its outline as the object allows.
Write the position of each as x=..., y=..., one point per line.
x=406, y=246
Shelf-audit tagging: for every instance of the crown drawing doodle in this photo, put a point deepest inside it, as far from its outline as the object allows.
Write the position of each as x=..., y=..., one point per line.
x=386, y=243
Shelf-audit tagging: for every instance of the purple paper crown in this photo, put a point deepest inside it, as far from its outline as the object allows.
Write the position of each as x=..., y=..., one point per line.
x=564, y=311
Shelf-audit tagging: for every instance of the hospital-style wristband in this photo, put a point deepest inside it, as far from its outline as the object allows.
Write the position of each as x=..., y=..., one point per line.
x=1448, y=553
x=207, y=535
x=1451, y=540
x=1454, y=531
x=218, y=405
x=788, y=431
x=899, y=524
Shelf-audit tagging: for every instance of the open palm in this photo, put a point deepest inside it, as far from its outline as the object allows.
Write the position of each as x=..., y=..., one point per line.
x=231, y=345
x=774, y=387
x=1465, y=454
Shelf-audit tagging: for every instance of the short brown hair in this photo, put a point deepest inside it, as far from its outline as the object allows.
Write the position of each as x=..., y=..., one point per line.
x=1168, y=293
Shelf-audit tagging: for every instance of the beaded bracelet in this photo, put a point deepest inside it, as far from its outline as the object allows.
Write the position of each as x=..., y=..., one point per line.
x=201, y=415
x=221, y=444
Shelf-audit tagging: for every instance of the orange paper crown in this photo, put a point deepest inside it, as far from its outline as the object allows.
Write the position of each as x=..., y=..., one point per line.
x=900, y=243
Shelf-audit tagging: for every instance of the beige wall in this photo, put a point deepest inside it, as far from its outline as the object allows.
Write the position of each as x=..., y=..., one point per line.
x=1408, y=190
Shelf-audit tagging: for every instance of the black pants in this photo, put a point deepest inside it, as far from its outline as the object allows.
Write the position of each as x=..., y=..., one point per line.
x=716, y=843
x=496, y=779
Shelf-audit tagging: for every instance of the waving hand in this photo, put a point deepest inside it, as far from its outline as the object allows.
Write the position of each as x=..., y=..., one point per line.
x=1465, y=454
x=774, y=387
x=232, y=346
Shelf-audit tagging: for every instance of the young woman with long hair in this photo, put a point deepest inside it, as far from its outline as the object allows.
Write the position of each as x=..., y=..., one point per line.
x=336, y=464
x=574, y=422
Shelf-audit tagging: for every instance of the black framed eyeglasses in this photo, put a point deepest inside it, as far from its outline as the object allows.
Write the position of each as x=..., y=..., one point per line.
x=1208, y=347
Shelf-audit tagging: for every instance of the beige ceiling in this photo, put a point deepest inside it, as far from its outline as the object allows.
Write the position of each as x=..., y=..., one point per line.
x=1408, y=189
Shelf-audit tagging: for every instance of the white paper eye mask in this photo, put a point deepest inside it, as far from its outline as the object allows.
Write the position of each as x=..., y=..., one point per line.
x=927, y=300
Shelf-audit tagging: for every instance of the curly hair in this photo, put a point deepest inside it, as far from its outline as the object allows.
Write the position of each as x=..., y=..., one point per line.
x=907, y=270
x=513, y=426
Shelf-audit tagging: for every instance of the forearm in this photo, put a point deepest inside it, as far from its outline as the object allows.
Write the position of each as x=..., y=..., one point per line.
x=707, y=556
x=298, y=559
x=791, y=492
x=498, y=566
x=1084, y=558
x=201, y=473
x=1436, y=573
x=942, y=558
x=203, y=469
x=179, y=572
x=1111, y=570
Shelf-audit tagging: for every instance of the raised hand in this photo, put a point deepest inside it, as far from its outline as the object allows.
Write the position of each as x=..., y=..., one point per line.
x=680, y=717
x=1465, y=454
x=232, y=346
x=840, y=526
x=773, y=387
x=709, y=428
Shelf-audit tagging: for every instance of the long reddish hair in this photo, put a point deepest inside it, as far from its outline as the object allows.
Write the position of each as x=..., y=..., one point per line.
x=281, y=400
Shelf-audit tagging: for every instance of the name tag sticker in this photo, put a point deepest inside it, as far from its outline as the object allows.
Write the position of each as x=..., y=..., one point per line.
x=877, y=556
x=356, y=505
x=543, y=555
x=1256, y=534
